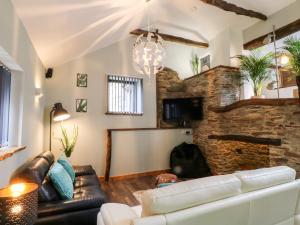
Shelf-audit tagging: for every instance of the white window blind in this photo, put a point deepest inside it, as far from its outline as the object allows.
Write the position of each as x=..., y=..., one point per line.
x=5, y=86
x=125, y=95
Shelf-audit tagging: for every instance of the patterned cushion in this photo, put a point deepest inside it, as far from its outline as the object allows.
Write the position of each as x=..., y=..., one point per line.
x=67, y=165
x=61, y=181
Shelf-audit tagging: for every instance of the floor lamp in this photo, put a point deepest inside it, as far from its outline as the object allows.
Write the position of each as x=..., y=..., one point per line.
x=268, y=40
x=57, y=114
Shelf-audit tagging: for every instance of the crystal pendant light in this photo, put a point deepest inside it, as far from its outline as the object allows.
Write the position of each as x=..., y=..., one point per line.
x=149, y=53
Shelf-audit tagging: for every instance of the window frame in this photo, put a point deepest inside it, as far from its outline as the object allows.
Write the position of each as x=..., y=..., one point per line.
x=7, y=143
x=108, y=95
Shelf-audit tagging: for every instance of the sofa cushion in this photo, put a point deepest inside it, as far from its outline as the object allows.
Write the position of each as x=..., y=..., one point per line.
x=84, y=198
x=83, y=170
x=252, y=180
x=67, y=166
x=87, y=180
x=61, y=181
x=47, y=192
x=189, y=194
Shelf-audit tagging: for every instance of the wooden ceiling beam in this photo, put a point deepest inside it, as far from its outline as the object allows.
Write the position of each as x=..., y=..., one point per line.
x=280, y=33
x=236, y=9
x=172, y=38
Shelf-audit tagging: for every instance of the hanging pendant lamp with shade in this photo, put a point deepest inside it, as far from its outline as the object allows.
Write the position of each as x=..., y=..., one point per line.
x=149, y=53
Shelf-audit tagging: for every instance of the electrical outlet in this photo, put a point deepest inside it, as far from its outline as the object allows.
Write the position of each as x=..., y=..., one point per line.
x=187, y=132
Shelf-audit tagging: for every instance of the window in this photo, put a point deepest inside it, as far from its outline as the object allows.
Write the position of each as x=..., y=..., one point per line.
x=5, y=85
x=125, y=95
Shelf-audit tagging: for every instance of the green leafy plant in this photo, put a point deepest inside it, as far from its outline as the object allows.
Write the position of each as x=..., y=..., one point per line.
x=292, y=46
x=256, y=68
x=68, y=143
x=195, y=64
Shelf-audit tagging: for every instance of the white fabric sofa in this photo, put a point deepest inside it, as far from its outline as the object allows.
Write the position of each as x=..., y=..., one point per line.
x=267, y=196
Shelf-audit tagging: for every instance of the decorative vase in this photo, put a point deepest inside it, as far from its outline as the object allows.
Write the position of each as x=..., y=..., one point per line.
x=298, y=84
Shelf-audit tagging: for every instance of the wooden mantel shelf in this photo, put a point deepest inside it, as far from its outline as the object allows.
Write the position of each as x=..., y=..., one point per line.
x=248, y=139
x=255, y=102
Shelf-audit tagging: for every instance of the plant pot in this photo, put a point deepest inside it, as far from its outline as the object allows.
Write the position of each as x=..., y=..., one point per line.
x=298, y=84
x=258, y=97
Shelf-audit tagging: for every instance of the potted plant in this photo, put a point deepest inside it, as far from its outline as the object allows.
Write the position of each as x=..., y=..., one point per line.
x=256, y=67
x=195, y=64
x=292, y=46
x=68, y=143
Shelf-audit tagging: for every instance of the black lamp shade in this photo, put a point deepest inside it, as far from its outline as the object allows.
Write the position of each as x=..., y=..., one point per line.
x=59, y=113
x=19, y=208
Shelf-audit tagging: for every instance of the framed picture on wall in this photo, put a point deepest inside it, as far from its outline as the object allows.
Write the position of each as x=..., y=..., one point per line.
x=82, y=80
x=205, y=63
x=81, y=105
x=287, y=78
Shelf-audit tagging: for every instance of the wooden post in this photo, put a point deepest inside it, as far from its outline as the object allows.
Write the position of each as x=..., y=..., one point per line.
x=108, y=155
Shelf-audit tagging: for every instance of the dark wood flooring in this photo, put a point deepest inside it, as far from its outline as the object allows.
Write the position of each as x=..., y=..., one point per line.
x=121, y=191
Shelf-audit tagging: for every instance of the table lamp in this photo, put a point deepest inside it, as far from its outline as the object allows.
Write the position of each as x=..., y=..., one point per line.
x=19, y=204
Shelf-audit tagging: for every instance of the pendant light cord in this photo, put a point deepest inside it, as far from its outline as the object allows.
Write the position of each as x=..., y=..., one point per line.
x=148, y=14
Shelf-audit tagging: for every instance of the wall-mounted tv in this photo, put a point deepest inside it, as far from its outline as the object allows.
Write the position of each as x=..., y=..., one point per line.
x=182, y=109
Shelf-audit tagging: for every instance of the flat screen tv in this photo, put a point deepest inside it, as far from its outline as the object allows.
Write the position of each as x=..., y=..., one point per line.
x=182, y=109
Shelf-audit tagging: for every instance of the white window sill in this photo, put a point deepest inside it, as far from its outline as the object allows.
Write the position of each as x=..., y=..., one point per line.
x=7, y=152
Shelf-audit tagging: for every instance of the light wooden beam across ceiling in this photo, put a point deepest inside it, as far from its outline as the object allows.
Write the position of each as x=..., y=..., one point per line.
x=236, y=9
x=172, y=38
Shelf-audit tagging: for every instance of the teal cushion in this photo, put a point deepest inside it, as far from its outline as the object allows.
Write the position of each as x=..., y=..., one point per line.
x=61, y=181
x=68, y=167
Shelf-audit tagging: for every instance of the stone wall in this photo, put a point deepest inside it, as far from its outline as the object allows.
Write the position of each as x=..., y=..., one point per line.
x=281, y=122
x=264, y=119
x=230, y=156
x=215, y=85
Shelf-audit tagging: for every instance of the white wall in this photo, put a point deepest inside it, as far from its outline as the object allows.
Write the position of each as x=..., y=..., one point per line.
x=16, y=43
x=144, y=151
x=279, y=19
x=219, y=49
x=116, y=59
x=227, y=44
x=283, y=92
x=179, y=56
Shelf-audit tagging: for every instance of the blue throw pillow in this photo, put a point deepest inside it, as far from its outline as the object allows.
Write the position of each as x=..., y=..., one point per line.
x=61, y=181
x=68, y=167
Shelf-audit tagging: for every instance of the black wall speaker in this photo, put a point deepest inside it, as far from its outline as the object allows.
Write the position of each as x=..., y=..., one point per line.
x=49, y=73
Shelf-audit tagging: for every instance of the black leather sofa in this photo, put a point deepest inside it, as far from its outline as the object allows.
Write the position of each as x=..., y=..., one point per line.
x=81, y=210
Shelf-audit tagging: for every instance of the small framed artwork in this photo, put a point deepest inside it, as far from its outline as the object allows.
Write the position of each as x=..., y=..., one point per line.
x=205, y=63
x=81, y=105
x=82, y=80
x=287, y=78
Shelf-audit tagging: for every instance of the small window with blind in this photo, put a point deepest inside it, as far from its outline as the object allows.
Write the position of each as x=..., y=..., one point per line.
x=125, y=95
x=5, y=86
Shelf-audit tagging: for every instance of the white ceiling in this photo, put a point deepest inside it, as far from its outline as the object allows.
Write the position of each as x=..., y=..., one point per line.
x=62, y=30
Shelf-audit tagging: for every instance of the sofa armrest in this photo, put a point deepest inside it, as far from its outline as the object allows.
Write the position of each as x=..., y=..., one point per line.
x=116, y=214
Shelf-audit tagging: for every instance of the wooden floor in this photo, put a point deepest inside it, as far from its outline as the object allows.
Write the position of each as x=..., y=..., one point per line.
x=121, y=191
